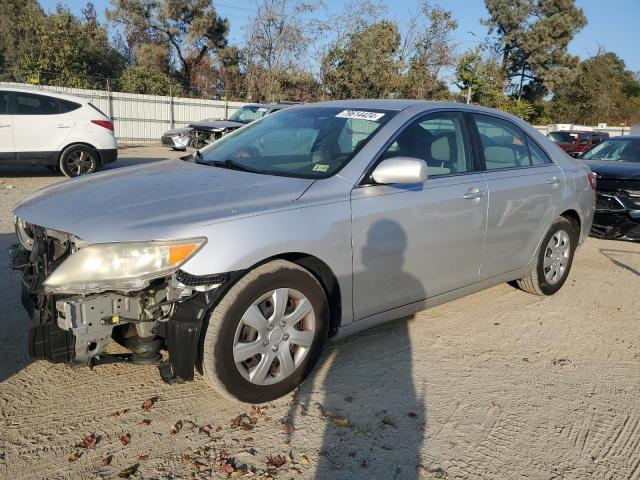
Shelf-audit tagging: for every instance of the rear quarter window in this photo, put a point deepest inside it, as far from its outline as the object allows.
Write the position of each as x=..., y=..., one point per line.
x=30, y=104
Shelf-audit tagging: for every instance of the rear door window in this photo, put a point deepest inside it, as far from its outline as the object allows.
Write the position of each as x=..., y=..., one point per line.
x=503, y=143
x=538, y=157
x=29, y=104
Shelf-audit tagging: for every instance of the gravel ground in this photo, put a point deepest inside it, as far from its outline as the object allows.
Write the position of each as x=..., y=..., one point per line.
x=500, y=384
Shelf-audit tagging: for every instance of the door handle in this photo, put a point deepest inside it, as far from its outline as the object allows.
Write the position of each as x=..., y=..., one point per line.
x=474, y=193
x=553, y=181
x=4, y=125
x=60, y=125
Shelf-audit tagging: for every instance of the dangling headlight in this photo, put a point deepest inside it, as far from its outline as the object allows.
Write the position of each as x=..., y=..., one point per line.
x=120, y=266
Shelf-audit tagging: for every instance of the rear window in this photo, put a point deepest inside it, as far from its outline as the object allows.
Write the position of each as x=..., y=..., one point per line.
x=68, y=106
x=562, y=137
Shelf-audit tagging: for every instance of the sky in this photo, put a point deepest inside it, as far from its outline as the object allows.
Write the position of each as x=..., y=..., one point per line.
x=613, y=25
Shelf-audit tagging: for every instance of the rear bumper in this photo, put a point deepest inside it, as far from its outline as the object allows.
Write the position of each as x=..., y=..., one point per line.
x=108, y=155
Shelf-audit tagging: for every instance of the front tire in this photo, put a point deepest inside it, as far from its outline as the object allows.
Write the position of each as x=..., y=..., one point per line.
x=266, y=334
x=78, y=160
x=553, y=260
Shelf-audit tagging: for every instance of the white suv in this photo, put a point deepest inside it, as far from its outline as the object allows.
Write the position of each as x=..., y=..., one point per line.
x=60, y=131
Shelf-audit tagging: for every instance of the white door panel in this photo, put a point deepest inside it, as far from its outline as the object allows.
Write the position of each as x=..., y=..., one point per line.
x=37, y=125
x=6, y=128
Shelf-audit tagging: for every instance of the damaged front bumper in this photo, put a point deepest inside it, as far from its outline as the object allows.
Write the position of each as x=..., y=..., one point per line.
x=617, y=215
x=167, y=316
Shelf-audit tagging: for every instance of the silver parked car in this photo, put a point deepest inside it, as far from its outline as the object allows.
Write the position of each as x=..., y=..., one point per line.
x=311, y=223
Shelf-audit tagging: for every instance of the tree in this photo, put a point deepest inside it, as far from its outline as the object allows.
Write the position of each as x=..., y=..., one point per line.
x=147, y=80
x=12, y=45
x=533, y=36
x=70, y=51
x=187, y=31
x=277, y=47
x=480, y=77
x=603, y=90
x=426, y=50
x=367, y=66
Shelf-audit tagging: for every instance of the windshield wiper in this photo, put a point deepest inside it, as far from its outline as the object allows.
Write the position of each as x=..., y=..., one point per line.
x=230, y=164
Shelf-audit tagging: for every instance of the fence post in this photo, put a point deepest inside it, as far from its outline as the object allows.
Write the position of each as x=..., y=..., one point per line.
x=109, y=101
x=171, y=112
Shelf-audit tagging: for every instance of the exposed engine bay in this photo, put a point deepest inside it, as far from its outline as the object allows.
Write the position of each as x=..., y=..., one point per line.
x=166, y=316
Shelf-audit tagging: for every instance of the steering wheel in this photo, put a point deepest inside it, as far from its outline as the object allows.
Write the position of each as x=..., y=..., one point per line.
x=246, y=152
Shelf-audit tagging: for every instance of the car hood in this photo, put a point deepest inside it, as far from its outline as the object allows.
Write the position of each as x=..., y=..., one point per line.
x=607, y=169
x=163, y=200
x=216, y=124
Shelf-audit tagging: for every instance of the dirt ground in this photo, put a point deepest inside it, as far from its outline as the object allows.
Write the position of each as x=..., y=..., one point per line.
x=501, y=384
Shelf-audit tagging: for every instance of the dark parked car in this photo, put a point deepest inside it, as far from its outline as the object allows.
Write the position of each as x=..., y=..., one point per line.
x=576, y=143
x=203, y=132
x=616, y=162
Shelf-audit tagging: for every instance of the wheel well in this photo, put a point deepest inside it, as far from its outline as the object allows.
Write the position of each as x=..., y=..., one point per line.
x=574, y=218
x=327, y=279
x=84, y=145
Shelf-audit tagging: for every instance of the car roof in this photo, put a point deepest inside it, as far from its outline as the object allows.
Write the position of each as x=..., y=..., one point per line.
x=42, y=91
x=625, y=137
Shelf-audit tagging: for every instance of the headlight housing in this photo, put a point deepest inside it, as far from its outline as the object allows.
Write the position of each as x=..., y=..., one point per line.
x=120, y=266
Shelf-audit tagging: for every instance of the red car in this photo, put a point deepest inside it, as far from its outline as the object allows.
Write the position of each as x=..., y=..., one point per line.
x=576, y=142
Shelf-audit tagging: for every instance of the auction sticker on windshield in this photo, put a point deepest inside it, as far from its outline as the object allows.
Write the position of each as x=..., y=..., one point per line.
x=360, y=115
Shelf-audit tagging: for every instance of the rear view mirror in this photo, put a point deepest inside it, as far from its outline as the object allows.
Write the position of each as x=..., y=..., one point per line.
x=405, y=170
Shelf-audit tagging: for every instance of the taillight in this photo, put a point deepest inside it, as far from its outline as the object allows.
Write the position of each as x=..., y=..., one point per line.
x=104, y=123
x=592, y=180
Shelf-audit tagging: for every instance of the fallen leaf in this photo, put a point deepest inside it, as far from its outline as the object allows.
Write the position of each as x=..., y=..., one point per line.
x=205, y=429
x=412, y=415
x=106, y=461
x=389, y=421
x=125, y=439
x=276, y=461
x=89, y=441
x=244, y=422
x=146, y=421
x=74, y=456
x=148, y=403
x=218, y=428
x=176, y=427
x=228, y=469
x=286, y=426
x=120, y=413
x=364, y=464
x=340, y=422
x=127, y=472
x=422, y=471
x=248, y=439
x=142, y=458
x=348, y=398
x=437, y=472
x=304, y=461
x=256, y=411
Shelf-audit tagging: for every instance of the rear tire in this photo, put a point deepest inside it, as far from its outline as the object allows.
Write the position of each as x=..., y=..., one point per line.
x=553, y=260
x=266, y=334
x=78, y=160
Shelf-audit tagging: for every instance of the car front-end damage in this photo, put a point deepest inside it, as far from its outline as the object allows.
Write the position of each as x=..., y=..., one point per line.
x=617, y=214
x=152, y=308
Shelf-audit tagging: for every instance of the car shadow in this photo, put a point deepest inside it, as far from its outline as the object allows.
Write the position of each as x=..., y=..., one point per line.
x=14, y=355
x=610, y=255
x=375, y=416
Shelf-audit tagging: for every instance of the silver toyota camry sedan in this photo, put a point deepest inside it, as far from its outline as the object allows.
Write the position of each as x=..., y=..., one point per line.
x=307, y=225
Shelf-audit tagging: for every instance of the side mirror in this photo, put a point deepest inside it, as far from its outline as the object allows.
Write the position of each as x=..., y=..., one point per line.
x=575, y=154
x=405, y=170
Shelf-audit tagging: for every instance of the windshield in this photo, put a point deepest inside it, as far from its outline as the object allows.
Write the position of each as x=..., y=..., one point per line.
x=248, y=113
x=562, y=137
x=305, y=142
x=615, y=151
